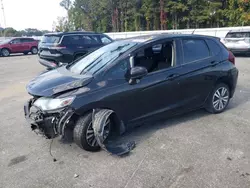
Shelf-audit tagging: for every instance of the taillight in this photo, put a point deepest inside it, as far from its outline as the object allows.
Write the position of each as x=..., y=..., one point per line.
x=231, y=57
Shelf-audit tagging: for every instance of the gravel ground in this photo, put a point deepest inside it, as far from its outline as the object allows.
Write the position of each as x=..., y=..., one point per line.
x=193, y=150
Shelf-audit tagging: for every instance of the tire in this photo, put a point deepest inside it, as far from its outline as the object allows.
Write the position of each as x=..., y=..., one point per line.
x=5, y=52
x=34, y=50
x=219, y=99
x=80, y=132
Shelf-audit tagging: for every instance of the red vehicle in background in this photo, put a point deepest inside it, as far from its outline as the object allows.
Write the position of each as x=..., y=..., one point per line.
x=18, y=45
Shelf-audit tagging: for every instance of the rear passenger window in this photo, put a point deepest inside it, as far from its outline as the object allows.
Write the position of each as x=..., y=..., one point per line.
x=72, y=39
x=214, y=47
x=194, y=50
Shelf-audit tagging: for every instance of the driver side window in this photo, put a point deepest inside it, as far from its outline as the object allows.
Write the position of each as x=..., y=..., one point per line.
x=156, y=57
x=16, y=41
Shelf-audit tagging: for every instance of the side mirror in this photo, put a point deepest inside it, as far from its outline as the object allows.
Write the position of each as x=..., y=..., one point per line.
x=136, y=73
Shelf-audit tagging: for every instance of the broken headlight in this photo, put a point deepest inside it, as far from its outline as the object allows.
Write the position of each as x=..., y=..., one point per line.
x=52, y=104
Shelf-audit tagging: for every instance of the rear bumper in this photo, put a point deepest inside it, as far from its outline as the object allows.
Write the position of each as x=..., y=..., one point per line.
x=239, y=51
x=64, y=58
x=234, y=76
x=48, y=63
x=49, y=125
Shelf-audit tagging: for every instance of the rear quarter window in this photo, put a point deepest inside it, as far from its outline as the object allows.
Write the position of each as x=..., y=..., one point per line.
x=214, y=47
x=105, y=40
x=194, y=50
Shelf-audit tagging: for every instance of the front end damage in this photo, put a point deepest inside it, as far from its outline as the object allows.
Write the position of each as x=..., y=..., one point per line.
x=48, y=124
x=54, y=123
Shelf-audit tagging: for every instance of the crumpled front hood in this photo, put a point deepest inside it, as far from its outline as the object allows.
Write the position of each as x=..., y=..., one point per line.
x=56, y=81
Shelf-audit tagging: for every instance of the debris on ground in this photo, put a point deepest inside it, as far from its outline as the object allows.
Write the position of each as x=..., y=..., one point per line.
x=76, y=176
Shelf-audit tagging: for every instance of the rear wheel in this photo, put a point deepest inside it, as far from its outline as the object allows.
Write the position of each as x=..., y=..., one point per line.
x=5, y=52
x=218, y=99
x=84, y=135
x=34, y=50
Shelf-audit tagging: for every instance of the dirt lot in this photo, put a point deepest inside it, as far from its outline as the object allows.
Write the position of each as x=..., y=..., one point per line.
x=192, y=150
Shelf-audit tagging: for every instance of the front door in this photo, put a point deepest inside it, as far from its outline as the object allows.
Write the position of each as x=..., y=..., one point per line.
x=157, y=94
x=16, y=46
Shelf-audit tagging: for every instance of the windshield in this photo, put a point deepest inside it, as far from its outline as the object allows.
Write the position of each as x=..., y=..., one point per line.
x=102, y=57
x=51, y=39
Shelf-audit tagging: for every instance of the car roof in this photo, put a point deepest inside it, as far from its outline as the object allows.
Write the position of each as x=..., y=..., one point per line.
x=71, y=33
x=155, y=37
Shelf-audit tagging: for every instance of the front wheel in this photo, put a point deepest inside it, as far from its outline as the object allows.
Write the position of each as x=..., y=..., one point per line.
x=84, y=135
x=5, y=52
x=218, y=99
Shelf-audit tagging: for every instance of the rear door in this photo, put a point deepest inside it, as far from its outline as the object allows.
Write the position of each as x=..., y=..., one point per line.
x=26, y=43
x=197, y=71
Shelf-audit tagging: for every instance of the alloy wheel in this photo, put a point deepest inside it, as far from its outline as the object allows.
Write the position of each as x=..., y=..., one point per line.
x=5, y=52
x=34, y=51
x=220, y=98
x=90, y=135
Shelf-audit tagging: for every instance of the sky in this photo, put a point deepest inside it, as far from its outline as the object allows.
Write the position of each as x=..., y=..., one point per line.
x=40, y=14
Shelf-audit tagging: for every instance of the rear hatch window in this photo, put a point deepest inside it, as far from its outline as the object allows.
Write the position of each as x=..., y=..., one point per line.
x=48, y=45
x=50, y=39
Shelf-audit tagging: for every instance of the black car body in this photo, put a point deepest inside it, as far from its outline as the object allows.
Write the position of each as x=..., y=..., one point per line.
x=136, y=80
x=56, y=49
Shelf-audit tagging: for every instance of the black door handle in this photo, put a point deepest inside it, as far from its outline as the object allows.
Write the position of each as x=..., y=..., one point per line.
x=172, y=76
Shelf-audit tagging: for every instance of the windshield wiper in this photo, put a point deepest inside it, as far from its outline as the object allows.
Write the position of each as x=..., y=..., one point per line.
x=119, y=48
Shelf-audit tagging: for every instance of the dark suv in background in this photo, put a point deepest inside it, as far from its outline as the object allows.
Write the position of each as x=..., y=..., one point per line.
x=56, y=49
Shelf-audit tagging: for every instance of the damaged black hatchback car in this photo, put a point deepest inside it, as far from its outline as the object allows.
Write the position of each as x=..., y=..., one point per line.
x=131, y=81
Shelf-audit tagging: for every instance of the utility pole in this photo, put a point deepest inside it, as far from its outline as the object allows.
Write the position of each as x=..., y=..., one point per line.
x=4, y=19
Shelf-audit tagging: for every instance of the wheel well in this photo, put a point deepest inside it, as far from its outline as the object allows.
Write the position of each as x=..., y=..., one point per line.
x=33, y=47
x=227, y=82
x=119, y=125
x=6, y=49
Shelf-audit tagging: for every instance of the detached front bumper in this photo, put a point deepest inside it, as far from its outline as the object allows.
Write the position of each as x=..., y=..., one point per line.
x=50, y=124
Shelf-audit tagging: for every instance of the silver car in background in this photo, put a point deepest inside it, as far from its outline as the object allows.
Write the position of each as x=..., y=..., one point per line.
x=238, y=42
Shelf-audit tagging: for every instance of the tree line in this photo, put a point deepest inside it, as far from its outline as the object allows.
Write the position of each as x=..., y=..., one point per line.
x=29, y=32
x=137, y=15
